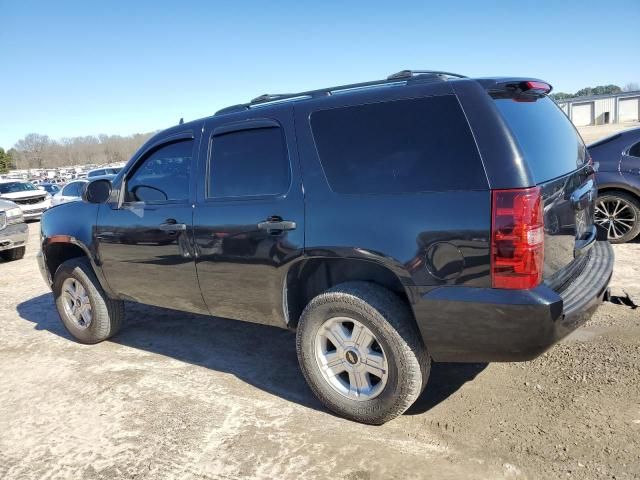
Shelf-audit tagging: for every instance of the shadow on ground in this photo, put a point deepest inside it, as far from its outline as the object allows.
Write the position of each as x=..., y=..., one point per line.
x=262, y=356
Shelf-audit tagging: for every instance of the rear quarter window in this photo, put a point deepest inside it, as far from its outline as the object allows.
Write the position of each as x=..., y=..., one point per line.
x=401, y=146
x=548, y=140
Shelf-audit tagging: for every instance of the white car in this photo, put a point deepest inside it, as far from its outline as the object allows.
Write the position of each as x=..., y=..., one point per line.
x=31, y=200
x=71, y=192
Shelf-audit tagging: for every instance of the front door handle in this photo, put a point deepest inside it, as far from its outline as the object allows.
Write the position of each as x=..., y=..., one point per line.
x=276, y=224
x=170, y=225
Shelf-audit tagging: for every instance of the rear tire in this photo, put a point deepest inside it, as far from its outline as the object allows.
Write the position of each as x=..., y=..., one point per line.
x=363, y=391
x=86, y=311
x=13, y=254
x=619, y=214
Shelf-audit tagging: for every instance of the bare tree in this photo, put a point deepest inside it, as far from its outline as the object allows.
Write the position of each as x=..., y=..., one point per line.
x=39, y=151
x=33, y=147
x=631, y=87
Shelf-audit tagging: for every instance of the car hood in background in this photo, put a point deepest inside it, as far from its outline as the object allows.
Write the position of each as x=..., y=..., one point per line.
x=6, y=204
x=19, y=195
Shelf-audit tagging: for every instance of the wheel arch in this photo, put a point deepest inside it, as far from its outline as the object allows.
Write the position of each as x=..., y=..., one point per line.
x=311, y=276
x=610, y=188
x=59, y=248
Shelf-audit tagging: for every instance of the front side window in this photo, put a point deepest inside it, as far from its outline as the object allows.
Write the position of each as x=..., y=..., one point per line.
x=249, y=163
x=163, y=176
x=401, y=146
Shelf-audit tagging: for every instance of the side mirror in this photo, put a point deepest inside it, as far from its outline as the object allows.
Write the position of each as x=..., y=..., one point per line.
x=97, y=191
x=145, y=193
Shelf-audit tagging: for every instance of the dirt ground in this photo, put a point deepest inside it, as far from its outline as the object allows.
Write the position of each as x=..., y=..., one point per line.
x=592, y=133
x=186, y=397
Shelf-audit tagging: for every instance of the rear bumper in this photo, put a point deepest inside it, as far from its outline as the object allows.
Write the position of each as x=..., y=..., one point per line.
x=14, y=236
x=464, y=324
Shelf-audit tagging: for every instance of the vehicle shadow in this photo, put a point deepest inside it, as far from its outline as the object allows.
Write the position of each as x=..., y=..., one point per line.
x=262, y=356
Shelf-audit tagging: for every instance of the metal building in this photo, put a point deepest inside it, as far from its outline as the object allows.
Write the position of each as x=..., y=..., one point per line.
x=601, y=109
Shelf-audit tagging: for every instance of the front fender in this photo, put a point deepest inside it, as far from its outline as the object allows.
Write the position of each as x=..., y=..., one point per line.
x=70, y=224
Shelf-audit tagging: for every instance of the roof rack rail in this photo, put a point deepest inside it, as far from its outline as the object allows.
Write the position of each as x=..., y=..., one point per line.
x=397, y=79
x=410, y=73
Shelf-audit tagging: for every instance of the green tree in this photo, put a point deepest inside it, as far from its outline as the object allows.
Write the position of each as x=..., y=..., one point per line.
x=5, y=161
x=599, y=90
x=559, y=96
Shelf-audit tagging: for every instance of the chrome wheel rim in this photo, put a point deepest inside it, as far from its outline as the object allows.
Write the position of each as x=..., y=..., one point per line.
x=351, y=359
x=616, y=215
x=76, y=303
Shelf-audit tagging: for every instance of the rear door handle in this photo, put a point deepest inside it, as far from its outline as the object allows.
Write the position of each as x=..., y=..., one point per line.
x=275, y=224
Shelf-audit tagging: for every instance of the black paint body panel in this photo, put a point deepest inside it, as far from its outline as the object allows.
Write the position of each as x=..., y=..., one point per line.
x=435, y=245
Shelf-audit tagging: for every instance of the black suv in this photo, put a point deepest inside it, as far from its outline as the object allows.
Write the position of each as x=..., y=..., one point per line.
x=424, y=217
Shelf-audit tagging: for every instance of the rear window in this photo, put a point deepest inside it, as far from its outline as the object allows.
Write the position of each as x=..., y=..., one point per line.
x=547, y=138
x=400, y=146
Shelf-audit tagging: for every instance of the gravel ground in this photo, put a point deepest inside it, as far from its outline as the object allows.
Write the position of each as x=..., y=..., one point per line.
x=183, y=396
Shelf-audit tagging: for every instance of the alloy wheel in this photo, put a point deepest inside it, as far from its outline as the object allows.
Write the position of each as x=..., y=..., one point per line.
x=616, y=215
x=351, y=359
x=77, y=306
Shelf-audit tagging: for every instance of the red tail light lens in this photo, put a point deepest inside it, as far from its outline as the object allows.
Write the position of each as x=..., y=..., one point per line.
x=517, y=238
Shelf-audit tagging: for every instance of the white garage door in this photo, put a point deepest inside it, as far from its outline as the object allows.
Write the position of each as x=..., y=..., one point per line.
x=582, y=114
x=629, y=109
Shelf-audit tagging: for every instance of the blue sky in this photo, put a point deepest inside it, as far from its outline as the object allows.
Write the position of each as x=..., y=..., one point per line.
x=73, y=68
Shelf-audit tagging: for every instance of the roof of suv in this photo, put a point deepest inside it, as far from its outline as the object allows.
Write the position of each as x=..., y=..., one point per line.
x=397, y=79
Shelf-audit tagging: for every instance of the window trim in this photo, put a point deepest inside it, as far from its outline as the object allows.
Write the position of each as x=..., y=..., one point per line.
x=627, y=151
x=150, y=150
x=242, y=126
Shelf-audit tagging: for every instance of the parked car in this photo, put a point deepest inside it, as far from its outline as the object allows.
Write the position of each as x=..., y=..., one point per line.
x=50, y=188
x=72, y=191
x=618, y=177
x=29, y=198
x=389, y=223
x=13, y=231
x=98, y=172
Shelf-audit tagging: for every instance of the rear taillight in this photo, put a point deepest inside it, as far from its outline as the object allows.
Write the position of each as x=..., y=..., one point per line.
x=517, y=238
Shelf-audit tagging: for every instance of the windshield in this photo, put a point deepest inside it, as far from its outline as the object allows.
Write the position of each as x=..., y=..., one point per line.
x=547, y=138
x=13, y=187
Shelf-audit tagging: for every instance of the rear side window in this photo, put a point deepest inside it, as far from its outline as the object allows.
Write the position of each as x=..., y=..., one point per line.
x=249, y=163
x=634, y=151
x=401, y=146
x=547, y=138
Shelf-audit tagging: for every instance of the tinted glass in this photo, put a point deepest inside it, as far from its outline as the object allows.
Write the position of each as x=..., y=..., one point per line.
x=13, y=187
x=95, y=173
x=249, y=163
x=401, y=146
x=73, y=189
x=547, y=138
x=634, y=151
x=164, y=175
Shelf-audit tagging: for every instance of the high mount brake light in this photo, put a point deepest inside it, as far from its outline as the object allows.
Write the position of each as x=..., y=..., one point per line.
x=517, y=238
x=534, y=85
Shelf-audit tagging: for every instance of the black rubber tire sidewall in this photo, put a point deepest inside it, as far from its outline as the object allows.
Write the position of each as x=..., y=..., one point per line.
x=106, y=313
x=13, y=254
x=406, y=357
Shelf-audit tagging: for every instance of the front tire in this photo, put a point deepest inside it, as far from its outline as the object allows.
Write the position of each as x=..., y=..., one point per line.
x=86, y=311
x=13, y=254
x=619, y=214
x=360, y=352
